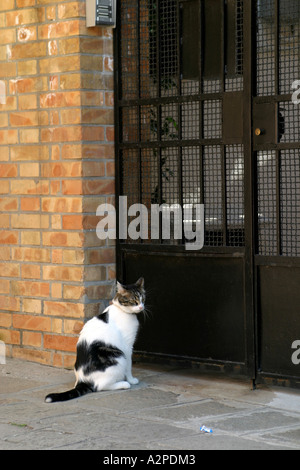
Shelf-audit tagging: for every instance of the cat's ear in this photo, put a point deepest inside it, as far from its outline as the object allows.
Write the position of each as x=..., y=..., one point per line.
x=120, y=288
x=140, y=282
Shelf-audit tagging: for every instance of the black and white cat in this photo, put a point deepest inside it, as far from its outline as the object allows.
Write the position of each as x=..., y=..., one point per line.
x=104, y=348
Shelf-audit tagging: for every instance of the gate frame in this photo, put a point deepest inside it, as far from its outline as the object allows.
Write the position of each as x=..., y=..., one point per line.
x=251, y=281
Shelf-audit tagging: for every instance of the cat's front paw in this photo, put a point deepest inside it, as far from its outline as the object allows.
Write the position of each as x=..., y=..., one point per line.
x=133, y=380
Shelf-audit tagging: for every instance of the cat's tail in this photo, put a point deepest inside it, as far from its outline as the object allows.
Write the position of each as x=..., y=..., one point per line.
x=78, y=391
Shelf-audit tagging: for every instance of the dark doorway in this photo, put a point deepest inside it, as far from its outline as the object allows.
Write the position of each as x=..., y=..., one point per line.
x=205, y=116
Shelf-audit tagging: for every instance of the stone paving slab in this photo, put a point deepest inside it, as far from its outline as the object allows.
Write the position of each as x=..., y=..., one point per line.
x=163, y=412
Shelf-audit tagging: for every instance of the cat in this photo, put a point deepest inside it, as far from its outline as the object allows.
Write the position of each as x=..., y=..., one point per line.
x=104, y=348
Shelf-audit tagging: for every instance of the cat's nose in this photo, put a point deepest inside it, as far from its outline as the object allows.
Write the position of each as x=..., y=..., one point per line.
x=141, y=307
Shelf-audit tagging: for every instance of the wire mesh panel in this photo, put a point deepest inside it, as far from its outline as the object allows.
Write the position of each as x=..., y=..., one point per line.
x=267, y=202
x=147, y=48
x=129, y=117
x=235, y=194
x=190, y=120
x=265, y=44
x=213, y=201
x=289, y=114
x=170, y=108
x=191, y=175
x=278, y=202
x=278, y=67
x=168, y=43
x=234, y=79
x=289, y=45
x=212, y=119
x=290, y=202
x=130, y=174
x=128, y=50
x=149, y=123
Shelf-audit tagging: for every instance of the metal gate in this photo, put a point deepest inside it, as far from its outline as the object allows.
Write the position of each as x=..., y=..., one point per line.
x=204, y=115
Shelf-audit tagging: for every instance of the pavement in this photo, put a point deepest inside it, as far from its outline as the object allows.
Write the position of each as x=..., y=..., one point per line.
x=163, y=412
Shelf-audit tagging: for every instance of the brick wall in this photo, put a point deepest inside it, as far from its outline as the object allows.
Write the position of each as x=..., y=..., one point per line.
x=56, y=167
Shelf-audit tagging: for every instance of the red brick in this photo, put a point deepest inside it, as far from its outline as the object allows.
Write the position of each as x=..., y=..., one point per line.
x=63, y=239
x=61, y=204
x=30, y=271
x=4, y=187
x=9, y=137
x=60, y=342
x=31, y=50
x=5, y=320
x=35, y=355
x=25, y=3
x=37, y=255
x=60, y=64
x=10, y=336
x=61, y=134
x=9, y=238
x=30, y=204
x=30, y=152
x=93, y=169
x=32, y=305
x=4, y=286
x=9, y=303
x=30, y=338
x=60, y=99
x=64, y=309
x=57, y=169
x=8, y=170
x=27, y=85
x=93, y=133
x=73, y=326
x=30, y=118
x=29, y=187
x=30, y=288
x=72, y=222
x=99, y=186
x=4, y=221
x=61, y=29
x=31, y=322
x=9, y=269
x=74, y=187
x=63, y=273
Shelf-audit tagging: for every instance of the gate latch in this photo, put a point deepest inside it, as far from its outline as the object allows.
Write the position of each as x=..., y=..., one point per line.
x=264, y=122
x=259, y=131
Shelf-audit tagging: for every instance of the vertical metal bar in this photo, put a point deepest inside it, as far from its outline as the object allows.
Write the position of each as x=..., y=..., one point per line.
x=223, y=45
x=224, y=197
x=278, y=155
x=139, y=106
x=278, y=202
x=200, y=48
x=138, y=53
x=117, y=87
x=249, y=79
x=158, y=91
x=157, y=19
x=276, y=42
x=179, y=111
x=223, y=150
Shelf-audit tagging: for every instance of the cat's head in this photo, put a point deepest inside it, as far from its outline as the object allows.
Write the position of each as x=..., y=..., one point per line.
x=131, y=298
